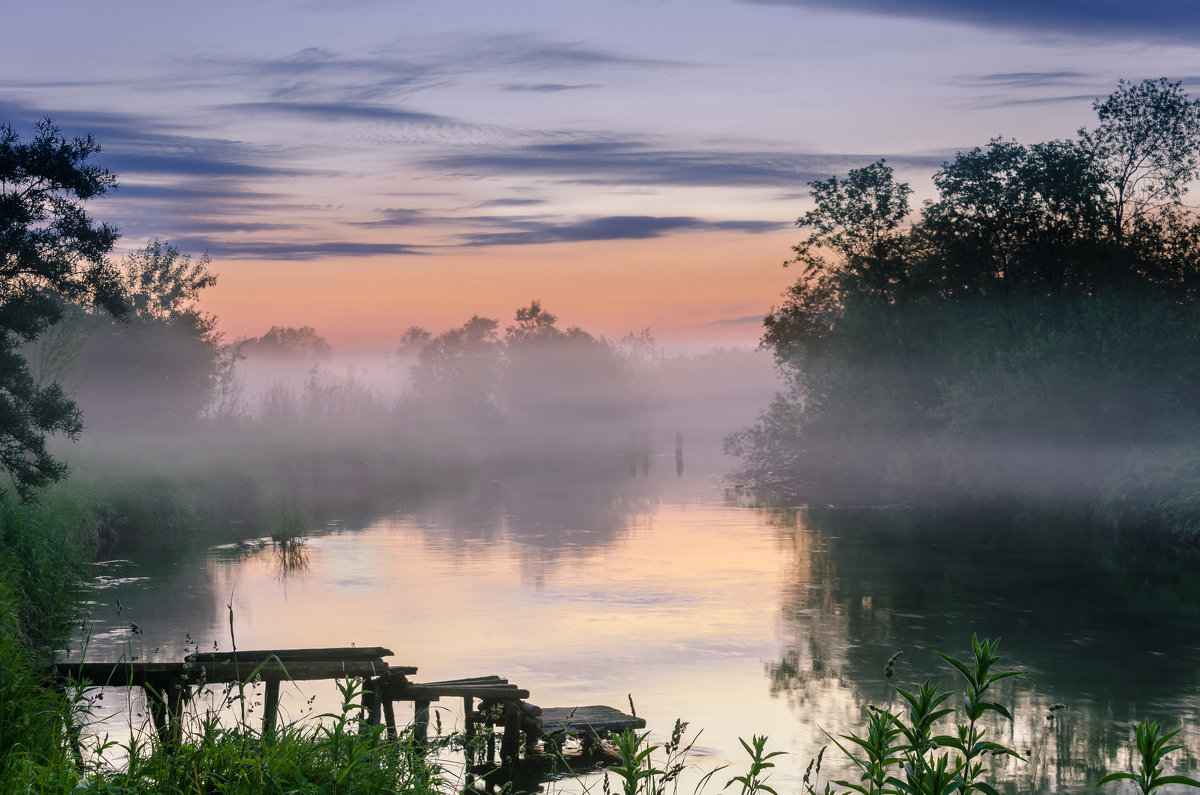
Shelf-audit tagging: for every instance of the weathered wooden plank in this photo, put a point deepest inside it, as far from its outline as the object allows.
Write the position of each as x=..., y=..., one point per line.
x=595, y=719
x=470, y=680
x=139, y=673
x=298, y=655
x=416, y=692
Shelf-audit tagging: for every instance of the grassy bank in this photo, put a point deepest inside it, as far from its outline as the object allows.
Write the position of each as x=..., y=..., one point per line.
x=43, y=550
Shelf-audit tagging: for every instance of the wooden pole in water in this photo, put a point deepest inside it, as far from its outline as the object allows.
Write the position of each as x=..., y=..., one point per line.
x=421, y=722
x=389, y=717
x=270, y=708
x=469, y=729
x=510, y=745
x=372, y=698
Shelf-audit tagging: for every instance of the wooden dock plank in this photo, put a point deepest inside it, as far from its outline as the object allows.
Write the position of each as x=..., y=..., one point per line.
x=294, y=655
x=141, y=673
x=423, y=692
x=594, y=719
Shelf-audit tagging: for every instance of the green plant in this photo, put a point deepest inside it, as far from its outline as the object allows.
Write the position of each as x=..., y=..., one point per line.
x=901, y=752
x=1152, y=749
x=753, y=780
x=289, y=529
x=639, y=771
x=635, y=764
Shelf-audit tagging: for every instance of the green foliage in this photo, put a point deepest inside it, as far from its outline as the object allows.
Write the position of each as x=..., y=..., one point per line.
x=324, y=754
x=41, y=563
x=900, y=752
x=639, y=771
x=635, y=766
x=51, y=254
x=1025, y=336
x=1152, y=747
x=753, y=781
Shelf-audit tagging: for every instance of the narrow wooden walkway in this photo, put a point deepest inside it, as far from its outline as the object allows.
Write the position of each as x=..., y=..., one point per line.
x=501, y=704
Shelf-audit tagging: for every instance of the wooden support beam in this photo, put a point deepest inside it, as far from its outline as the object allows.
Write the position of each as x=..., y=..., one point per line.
x=510, y=743
x=372, y=701
x=389, y=717
x=469, y=730
x=421, y=722
x=270, y=709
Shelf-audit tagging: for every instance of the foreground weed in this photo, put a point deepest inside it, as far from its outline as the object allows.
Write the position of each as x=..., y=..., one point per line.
x=753, y=780
x=900, y=753
x=635, y=767
x=640, y=773
x=1152, y=749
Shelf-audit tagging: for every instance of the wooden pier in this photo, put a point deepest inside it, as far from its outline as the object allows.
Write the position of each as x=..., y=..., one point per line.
x=489, y=702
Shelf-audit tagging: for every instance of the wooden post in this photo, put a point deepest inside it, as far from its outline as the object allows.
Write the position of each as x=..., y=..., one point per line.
x=164, y=700
x=421, y=722
x=469, y=730
x=177, y=693
x=389, y=717
x=156, y=703
x=372, y=698
x=270, y=708
x=510, y=743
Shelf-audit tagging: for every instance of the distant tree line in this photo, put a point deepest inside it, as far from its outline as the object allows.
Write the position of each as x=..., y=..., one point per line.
x=536, y=384
x=1033, y=332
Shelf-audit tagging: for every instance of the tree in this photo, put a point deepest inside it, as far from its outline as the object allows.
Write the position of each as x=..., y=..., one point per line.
x=1014, y=219
x=859, y=220
x=52, y=254
x=1047, y=299
x=532, y=322
x=1148, y=145
x=458, y=370
x=164, y=284
x=159, y=366
x=289, y=341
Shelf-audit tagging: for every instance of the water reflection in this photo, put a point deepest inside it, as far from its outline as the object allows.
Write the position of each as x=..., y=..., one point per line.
x=860, y=587
x=740, y=619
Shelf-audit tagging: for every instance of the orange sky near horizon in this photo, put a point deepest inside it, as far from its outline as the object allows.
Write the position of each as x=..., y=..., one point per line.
x=673, y=285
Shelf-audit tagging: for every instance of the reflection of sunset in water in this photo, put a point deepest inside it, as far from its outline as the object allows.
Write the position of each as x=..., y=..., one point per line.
x=739, y=620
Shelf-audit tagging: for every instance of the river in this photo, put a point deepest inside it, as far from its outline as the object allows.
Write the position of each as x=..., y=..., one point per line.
x=699, y=604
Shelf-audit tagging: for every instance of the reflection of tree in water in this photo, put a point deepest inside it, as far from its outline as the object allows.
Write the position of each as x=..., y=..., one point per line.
x=549, y=521
x=1069, y=609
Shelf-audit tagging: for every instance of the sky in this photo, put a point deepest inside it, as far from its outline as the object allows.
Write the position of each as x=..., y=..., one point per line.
x=363, y=166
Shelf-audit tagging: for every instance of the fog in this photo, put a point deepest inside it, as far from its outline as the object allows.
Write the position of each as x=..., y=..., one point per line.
x=547, y=400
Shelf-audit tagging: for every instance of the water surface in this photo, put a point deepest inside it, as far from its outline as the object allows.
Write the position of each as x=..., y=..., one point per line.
x=699, y=605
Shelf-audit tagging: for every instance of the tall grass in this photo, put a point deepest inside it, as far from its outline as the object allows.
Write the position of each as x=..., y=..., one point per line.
x=322, y=754
x=42, y=552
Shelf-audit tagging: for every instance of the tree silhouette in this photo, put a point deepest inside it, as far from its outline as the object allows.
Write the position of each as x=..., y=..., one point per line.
x=52, y=254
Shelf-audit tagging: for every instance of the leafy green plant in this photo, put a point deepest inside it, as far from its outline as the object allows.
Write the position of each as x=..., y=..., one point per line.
x=753, y=781
x=1152, y=748
x=902, y=754
x=635, y=766
x=640, y=772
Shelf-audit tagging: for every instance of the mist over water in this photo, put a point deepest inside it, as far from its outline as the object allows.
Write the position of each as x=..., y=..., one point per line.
x=592, y=549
